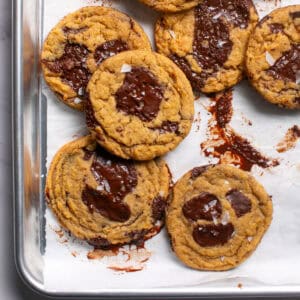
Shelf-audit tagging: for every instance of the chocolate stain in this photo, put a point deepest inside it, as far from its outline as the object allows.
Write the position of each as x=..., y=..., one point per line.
x=290, y=139
x=224, y=143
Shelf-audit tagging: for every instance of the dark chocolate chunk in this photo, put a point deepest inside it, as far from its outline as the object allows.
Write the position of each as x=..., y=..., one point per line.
x=158, y=208
x=108, y=49
x=212, y=44
x=90, y=119
x=213, y=235
x=69, y=30
x=205, y=206
x=239, y=202
x=287, y=66
x=168, y=126
x=276, y=27
x=116, y=178
x=295, y=14
x=72, y=67
x=196, y=172
x=100, y=202
x=140, y=94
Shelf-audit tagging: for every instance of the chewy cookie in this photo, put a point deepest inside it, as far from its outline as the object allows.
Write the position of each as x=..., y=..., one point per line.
x=208, y=42
x=217, y=216
x=104, y=199
x=141, y=105
x=171, y=5
x=273, y=57
x=80, y=42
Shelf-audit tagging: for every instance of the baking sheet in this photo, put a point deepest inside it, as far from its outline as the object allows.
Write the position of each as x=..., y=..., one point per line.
x=276, y=261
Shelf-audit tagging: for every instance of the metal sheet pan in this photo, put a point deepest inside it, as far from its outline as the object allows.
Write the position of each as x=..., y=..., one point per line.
x=30, y=151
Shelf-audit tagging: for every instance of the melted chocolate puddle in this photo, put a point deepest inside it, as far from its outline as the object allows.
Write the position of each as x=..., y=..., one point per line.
x=229, y=144
x=140, y=94
x=212, y=45
x=72, y=67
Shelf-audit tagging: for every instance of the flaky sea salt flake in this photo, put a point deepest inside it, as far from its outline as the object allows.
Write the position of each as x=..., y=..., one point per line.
x=172, y=34
x=270, y=59
x=126, y=68
x=77, y=101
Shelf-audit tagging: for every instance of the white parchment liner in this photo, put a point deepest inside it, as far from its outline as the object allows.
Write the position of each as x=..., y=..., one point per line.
x=277, y=259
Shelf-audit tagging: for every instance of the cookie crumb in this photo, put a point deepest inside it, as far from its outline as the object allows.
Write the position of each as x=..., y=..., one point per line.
x=239, y=285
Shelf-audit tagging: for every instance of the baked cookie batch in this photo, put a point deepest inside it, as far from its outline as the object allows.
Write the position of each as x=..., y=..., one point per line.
x=111, y=187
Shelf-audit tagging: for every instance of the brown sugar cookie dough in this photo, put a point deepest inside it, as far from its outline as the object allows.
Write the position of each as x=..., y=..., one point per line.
x=273, y=57
x=104, y=199
x=80, y=42
x=208, y=42
x=171, y=5
x=217, y=216
x=141, y=105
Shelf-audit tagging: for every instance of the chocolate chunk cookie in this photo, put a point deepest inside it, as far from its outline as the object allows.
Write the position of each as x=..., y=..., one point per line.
x=217, y=216
x=141, y=105
x=208, y=42
x=80, y=42
x=273, y=57
x=171, y=5
x=104, y=199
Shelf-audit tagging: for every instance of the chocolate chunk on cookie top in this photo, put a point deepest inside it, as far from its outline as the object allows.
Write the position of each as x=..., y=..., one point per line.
x=273, y=57
x=209, y=42
x=140, y=94
x=140, y=105
x=80, y=42
x=103, y=199
x=217, y=219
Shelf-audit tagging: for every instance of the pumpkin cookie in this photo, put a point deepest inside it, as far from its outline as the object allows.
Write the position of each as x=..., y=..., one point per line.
x=217, y=217
x=273, y=57
x=80, y=42
x=208, y=42
x=141, y=105
x=171, y=5
x=104, y=199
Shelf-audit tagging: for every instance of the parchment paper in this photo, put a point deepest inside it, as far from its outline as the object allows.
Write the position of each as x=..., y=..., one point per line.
x=276, y=262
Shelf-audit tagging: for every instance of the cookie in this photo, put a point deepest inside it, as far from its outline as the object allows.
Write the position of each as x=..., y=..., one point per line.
x=171, y=5
x=217, y=216
x=208, y=42
x=80, y=42
x=104, y=199
x=273, y=57
x=140, y=105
